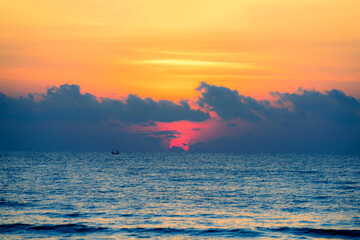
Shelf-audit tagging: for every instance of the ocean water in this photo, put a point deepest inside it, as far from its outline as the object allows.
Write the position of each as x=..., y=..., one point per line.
x=84, y=195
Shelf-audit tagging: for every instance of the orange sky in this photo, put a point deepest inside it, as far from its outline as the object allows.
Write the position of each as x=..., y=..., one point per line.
x=164, y=48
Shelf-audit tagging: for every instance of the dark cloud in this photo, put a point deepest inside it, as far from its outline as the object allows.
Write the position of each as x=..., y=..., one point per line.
x=164, y=134
x=305, y=121
x=176, y=149
x=332, y=105
x=148, y=124
x=71, y=135
x=296, y=137
x=67, y=103
x=229, y=104
x=65, y=119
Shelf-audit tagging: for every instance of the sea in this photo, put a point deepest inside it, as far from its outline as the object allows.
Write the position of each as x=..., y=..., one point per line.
x=98, y=195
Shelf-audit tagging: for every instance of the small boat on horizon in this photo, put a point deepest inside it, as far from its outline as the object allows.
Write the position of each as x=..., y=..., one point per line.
x=113, y=152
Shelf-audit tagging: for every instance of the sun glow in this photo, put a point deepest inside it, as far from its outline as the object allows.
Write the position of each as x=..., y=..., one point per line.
x=178, y=143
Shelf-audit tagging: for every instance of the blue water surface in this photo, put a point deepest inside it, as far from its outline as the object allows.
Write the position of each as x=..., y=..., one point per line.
x=86, y=195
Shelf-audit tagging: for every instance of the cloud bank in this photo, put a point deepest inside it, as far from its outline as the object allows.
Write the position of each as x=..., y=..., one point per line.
x=305, y=121
x=332, y=105
x=65, y=119
x=67, y=103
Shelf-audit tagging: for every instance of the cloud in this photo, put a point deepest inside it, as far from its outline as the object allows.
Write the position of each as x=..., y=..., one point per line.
x=164, y=134
x=229, y=104
x=332, y=105
x=70, y=135
x=67, y=103
x=63, y=118
x=305, y=121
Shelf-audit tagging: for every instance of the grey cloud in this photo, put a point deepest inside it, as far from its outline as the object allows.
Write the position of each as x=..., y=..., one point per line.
x=65, y=119
x=291, y=137
x=147, y=124
x=67, y=103
x=70, y=135
x=229, y=104
x=305, y=121
x=164, y=134
x=332, y=105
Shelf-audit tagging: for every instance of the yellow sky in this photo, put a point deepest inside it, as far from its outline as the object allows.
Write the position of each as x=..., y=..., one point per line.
x=164, y=48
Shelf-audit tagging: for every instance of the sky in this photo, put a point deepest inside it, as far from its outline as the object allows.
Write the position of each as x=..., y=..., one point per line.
x=210, y=75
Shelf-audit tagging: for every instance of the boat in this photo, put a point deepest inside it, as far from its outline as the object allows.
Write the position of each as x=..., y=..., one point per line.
x=113, y=152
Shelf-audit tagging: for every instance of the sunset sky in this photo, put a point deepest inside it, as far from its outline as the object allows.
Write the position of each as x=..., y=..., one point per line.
x=166, y=49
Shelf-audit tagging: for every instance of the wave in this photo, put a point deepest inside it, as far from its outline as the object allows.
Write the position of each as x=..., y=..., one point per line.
x=195, y=232
x=84, y=229
x=5, y=203
x=68, y=215
x=75, y=215
x=316, y=232
x=192, y=232
x=60, y=228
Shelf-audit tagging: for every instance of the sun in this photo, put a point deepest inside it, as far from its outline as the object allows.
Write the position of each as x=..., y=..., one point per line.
x=178, y=143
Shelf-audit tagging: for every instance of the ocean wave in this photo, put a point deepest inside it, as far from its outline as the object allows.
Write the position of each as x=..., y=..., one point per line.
x=6, y=203
x=316, y=232
x=60, y=228
x=66, y=215
x=75, y=215
x=138, y=231
x=191, y=232
x=194, y=232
